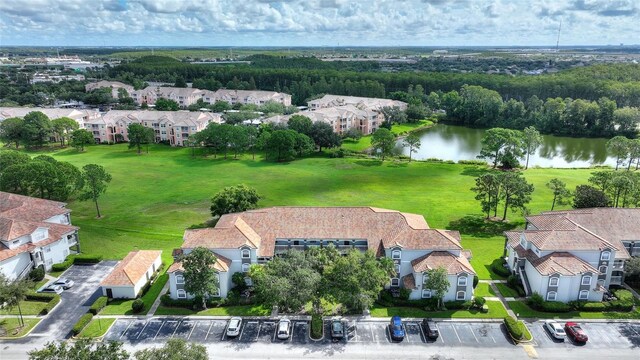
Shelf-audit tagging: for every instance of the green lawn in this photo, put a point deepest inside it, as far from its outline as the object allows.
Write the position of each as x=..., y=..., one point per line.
x=241, y=310
x=496, y=310
x=365, y=142
x=11, y=327
x=154, y=197
x=506, y=291
x=28, y=307
x=123, y=307
x=484, y=290
x=96, y=328
x=524, y=311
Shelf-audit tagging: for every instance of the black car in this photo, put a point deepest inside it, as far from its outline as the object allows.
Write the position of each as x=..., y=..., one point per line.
x=337, y=329
x=430, y=329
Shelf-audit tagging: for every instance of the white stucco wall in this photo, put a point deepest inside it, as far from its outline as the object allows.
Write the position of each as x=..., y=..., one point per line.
x=13, y=266
x=55, y=253
x=120, y=292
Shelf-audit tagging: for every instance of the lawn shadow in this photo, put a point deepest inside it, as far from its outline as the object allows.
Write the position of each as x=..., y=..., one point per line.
x=478, y=226
x=368, y=162
x=475, y=171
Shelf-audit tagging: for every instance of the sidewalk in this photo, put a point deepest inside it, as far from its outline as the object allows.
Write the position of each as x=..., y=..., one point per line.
x=156, y=303
x=502, y=299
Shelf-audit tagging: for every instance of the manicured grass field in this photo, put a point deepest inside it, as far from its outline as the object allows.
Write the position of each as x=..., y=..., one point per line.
x=483, y=289
x=123, y=307
x=241, y=310
x=154, y=197
x=506, y=291
x=13, y=329
x=28, y=307
x=365, y=142
x=96, y=328
x=524, y=311
x=496, y=311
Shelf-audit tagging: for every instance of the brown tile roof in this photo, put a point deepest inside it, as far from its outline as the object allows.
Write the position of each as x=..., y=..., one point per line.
x=562, y=263
x=260, y=228
x=56, y=232
x=409, y=281
x=453, y=264
x=132, y=268
x=222, y=264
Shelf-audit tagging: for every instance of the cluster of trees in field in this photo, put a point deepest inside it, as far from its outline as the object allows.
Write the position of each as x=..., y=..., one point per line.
x=506, y=147
x=36, y=130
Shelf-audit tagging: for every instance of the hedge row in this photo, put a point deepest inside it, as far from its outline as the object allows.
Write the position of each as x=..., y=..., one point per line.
x=63, y=265
x=87, y=259
x=498, y=267
x=515, y=328
x=34, y=296
x=82, y=323
x=98, y=305
x=165, y=300
x=50, y=305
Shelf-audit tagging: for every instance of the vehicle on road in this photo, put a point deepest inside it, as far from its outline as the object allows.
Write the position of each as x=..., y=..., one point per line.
x=233, y=327
x=64, y=283
x=52, y=289
x=396, y=329
x=337, y=329
x=555, y=329
x=284, y=329
x=430, y=329
x=575, y=331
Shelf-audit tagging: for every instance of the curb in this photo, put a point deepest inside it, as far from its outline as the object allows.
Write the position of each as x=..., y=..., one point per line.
x=25, y=335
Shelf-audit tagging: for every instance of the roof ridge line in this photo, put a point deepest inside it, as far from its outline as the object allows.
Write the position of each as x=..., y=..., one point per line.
x=592, y=233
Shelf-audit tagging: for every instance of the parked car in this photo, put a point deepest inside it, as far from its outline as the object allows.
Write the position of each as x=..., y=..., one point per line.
x=396, y=329
x=430, y=329
x=233, y=328
x=555, y=329
x=284, y=329
x=52, y=289
x=337, y=329
x=64, y=282
x=575, y=331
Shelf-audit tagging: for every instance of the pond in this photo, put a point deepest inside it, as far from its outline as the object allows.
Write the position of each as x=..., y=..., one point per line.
x=449, y=142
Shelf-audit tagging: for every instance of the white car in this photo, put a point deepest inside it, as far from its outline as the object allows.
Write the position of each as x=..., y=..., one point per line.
x=64, y=283
x=555, y=329
x=233, y=328
x=284, y=329
x=52, y=289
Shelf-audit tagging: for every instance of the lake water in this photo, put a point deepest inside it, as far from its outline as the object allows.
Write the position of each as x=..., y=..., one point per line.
x=448, y=142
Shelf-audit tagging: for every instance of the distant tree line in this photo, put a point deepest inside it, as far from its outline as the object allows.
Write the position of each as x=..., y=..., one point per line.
x=35, y=130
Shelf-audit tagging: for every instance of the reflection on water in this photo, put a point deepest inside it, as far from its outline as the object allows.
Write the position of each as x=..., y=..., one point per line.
x=455, y=143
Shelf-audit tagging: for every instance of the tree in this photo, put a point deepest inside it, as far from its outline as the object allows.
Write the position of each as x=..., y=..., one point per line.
x=301, y=124
x=167, y=105
x=63, y=127
x=503, y=146
x=252, y=139
x=531, y=142
x=238, y=140
x=383, y=142
x=180, y=83
x=234, y=199
x=352, y=133
x=96, y=179
x=323, y=136
x=174, y=349
x=83, y=348
x=81, y=138
x=412, y=141
x=36, y=129
x=14, y=292
x=303, y=144
x=589, y=197
x=11, y=130
x=416, y=112
x=632, y=269
x=200, y=278
x=634, y=153
x=515, y=191
x=12, y=157
x=139, y=135
x=487, y=192
x=438, y=283
x=393, y=115
x=281, y=144
x=601, y=179
x=618, y=147
x=560, y=192
x=220, y=106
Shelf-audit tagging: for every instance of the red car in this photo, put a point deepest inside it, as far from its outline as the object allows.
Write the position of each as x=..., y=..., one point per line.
x=575, y=331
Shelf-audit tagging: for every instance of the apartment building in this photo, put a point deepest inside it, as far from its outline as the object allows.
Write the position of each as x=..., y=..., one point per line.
x=114, y=85
x=81, y=116
x=375, y=104
x=255, y=97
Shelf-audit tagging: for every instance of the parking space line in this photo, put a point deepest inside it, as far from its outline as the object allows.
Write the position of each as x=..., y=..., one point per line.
x=195, y=323
x=373, y=336
x=141, y=331
x=125, y=330
x=176, y=329
x=210, y=325
x=424, y=337
x=456, y=331
x=441, y=337
x=406, y=333
x=158, y=332
x=355, y=331
x=633, y=329
x=241, y=330
x=473, y=333
x=258, y=332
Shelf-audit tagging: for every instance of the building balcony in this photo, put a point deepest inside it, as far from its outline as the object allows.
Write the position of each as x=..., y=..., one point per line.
x=616, y=280
x=635, y=251
x=618, y=265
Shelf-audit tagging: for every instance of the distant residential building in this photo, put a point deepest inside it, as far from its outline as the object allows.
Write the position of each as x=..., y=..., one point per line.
x=34, y=232
x=114, y=85
x=52, y=113
x=132, y=274
x=341, y=118
x=183, y=96
x=43, y=77
x=255, y=97
x=359, y=102
x=172, y=126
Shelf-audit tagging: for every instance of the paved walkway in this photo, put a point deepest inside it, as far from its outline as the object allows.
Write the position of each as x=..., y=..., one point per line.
x=499, y=296
x=156, y=303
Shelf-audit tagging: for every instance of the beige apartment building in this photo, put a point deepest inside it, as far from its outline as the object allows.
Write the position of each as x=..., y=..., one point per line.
x=114, y=85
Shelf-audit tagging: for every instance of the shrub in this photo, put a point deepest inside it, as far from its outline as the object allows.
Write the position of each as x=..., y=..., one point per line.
x=593, y=307
x=87, y=259
x=238, y=280
x=145, y=288
x=386, y=299
x=404, y=294
x=514, y=327
x=619, y=305
x=479, y=301
x=50, y=305
x=37, y=274
x=84, y=320
x=513, y=281
x=472, y=162
x=498, y=267
x=476, y=280
x=338, y=153
x=137, y=306
x=34, y=296
x=535, y=301
x=316, y=326
x=63, y=265
x=457, y=305
x=555, y=306
x=168, y=301
x=98, y=305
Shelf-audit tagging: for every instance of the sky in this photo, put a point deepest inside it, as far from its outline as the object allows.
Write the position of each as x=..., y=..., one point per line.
x=318, y=22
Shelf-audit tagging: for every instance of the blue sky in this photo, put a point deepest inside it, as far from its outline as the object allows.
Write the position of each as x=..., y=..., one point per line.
x=317, y=22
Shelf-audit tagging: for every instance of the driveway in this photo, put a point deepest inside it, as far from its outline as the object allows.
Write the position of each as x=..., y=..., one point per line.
x=601, y=336
x=75, y=301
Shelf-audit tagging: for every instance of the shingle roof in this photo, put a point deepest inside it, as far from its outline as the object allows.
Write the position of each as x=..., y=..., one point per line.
x=562, y=263
x=452, y=263
x=260, y=228
x=55, y=231
x=222, y=264
x=132, y=268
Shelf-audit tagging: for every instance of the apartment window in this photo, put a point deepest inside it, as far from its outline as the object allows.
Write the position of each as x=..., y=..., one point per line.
x=462, y=281
x=246, y=253
x=16, y=242
x=398, y=269
x=426, y=294
x=586, y=280
x=396, y=254
x=424, y=278
x=603, y=269
x=584, y=295
x=179, y=279
x=395, y=282
x=245, y=268
x=605, y=255
x=551, y=296
x=182, y=294
x=460, y=295
x=554, y=281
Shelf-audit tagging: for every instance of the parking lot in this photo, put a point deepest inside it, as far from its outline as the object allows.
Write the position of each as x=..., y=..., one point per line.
x=601, y=335
x=161, y=329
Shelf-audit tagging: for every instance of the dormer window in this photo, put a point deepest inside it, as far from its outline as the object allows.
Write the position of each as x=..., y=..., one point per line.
x=246, y=253
x=396, y=254
x=462, y=281
x=605, y=255
x=554, y=281
x=586, y=280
